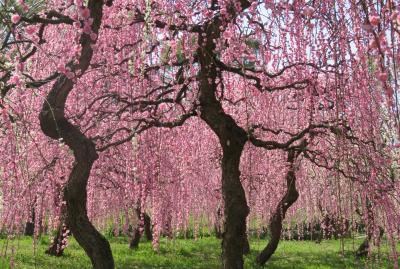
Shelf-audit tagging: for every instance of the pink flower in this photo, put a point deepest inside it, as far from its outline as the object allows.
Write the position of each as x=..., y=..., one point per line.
x=367, y=27
x=15, y=79
x=394, y=15
x=373, y=44
x=308, y=11
x=87, y=29
x=383, y=76
x=15, y=18
x=20, y=67
x=61, y=68
x=77, y=25
x=93, y=36
x=374, y=20
x=30, y=30
x=85, y=13
x=25, y=7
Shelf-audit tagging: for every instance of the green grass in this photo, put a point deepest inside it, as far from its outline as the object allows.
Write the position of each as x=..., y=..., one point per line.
x=190, y=254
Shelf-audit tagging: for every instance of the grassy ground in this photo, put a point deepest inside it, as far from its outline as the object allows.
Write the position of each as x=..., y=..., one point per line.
x=189, y=254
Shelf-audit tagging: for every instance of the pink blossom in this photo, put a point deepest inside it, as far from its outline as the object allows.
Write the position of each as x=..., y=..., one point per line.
x=20, y=67
x=15, y=79
x=367, y=27
x=30, y=30
x=308, y=11
x=15, y=18
x=382, y=76
x=85, y=13
x=61, y=68
x=93, y=36
x=374, y=20
x=77, y=25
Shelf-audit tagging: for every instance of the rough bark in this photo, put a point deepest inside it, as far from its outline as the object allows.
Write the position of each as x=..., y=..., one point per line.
x=232, y=139
x=134, y=243
x=55, y=248
x=145, y=226
x=58, y=245
x=55, y=125
x=246, y=246
x=364, y=248
x=217, y=225
x=30, y=225
x=275, y=225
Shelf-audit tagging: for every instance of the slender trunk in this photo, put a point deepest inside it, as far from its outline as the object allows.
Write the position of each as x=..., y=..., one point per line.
x=135, y=238
x=232, y=139
x=275, y=224
x=56, y=126
x=145, y=226
x=364, y=248
x=30, y=224
x=59, y=243
x=217, y=231
x=246, y=246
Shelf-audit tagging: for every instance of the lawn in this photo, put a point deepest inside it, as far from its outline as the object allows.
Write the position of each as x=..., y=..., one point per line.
x=187, y=254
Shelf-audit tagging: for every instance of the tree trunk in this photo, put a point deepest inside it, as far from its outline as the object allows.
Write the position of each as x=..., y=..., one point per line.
x=236, y=209
x=30, y=225
x=275, y=225
x=246, y=246
x=363, y=249
x=147, y=227
x=135, y=238
x=137, y=234
x=54, y=124
x=58, y=245
x=232, y=139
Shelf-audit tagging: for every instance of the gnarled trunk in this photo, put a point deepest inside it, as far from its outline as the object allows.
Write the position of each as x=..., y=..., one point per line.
x=236, y=209
x=275, y=225
x=232, y=139
x=54, y=124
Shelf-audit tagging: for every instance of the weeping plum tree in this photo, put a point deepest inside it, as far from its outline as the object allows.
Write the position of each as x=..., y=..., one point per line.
x=307, y=79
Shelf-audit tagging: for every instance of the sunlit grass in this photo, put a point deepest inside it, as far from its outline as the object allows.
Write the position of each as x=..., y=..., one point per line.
x=187, y=254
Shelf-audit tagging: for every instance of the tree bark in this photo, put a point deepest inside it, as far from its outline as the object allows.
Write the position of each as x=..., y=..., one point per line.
x=275, y=225
x=232, y=139
x=146, y=225
x=58, y=245
x=246, y=246
x=30, y=224
x=54, y=124
x=135, y=238
x=363, y=249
